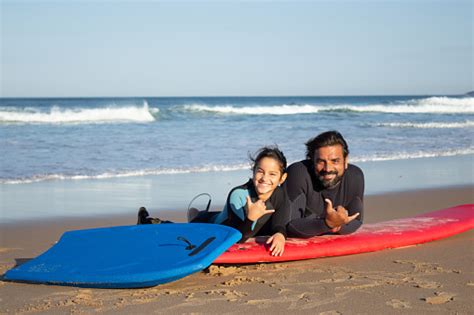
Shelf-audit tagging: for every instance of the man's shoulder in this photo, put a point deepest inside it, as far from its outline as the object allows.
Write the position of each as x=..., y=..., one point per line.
x=354, y=171
x=300, y=166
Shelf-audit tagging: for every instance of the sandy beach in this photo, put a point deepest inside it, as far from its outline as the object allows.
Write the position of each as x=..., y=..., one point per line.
x=435, y=278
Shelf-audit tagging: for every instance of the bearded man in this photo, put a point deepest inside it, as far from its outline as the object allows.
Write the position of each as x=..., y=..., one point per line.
x=326, y=192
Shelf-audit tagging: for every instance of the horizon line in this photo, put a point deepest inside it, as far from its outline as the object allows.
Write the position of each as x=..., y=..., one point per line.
x=230, y=96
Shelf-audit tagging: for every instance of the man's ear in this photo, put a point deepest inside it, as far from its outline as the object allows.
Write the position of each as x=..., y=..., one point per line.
x=283, y=178
x=346, y=162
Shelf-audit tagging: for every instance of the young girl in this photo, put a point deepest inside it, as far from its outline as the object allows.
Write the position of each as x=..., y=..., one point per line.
x=260, y=206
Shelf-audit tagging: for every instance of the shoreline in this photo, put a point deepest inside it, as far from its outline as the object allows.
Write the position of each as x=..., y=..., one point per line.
x=435, y=277
x=162, y=193
x=179, y=215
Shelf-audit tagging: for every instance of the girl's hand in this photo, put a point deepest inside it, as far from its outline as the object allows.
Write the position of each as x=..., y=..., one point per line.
x=278, y=244
x=256, y=210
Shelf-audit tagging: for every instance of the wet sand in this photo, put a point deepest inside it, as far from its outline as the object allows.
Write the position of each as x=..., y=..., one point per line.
x=435, y=278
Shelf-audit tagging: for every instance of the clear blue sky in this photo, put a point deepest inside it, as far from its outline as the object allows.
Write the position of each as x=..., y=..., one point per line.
x=194, y=48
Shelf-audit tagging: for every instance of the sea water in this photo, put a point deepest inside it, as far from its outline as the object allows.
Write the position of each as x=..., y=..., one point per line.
x=109, y=143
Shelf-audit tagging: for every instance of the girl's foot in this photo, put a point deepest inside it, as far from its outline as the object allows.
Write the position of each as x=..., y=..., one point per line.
x=144, y=217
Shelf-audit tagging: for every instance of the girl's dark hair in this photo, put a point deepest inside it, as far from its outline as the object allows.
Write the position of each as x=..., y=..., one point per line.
x=271, y=152
x=326, y=139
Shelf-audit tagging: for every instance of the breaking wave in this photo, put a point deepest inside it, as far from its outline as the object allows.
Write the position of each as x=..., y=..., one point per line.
x=428, y=125
x=58, y=115
x=431, y=105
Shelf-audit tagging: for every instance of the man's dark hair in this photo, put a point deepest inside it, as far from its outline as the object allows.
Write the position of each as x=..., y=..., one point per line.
x=271, y=152
x=325, y=139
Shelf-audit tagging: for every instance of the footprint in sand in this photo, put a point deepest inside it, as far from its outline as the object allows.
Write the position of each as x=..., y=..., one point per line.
x=398, y=304
x=231, y=295
x=440, y=298
x=337, y=279
x=218, y=271
x=239, y=280
x=427, y=268
x=427, y=284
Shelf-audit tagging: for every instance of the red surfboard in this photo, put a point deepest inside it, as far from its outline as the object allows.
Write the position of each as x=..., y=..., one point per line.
x=370, y=237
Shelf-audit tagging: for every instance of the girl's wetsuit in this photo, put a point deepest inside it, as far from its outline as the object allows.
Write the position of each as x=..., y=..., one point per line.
x=234, y=213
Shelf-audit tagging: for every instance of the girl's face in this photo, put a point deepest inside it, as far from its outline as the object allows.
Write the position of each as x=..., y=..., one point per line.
x=267, y=176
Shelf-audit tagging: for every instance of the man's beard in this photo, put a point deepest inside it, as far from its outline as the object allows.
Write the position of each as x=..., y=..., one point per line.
x=329, y=183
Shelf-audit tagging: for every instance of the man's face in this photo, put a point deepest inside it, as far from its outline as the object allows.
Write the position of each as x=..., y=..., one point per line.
x=329, y=165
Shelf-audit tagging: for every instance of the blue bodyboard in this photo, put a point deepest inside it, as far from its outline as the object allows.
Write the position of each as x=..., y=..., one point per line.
x=127, y=256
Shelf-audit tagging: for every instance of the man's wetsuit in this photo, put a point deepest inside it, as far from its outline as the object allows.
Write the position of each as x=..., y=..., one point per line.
x=306, y=194
x=234, y=213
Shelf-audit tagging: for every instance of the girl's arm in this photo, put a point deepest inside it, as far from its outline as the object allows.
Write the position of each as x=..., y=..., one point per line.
x=238, y=202
x=281, y=217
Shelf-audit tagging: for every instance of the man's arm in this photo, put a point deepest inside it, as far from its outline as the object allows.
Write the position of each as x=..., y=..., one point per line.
x=313, y=226
x=356, y=206
x=356, y=185
x=307, y=227
x=297, y=185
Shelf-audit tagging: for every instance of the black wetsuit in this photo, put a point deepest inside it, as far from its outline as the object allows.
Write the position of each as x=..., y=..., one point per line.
x=268, y=224
x=308, y=209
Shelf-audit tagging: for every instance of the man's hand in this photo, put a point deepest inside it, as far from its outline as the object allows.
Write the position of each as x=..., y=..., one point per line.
x=256, y=210
x=336, y=218
x=278, y=244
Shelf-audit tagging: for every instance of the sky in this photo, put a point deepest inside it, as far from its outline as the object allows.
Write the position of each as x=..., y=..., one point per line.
x=231, y=48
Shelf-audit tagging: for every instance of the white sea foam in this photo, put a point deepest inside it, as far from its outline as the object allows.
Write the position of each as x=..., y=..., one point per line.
x=257, y=110
x=446, y=101
x=413, y=155
x=226, y=168
x=434, y=105
x=428, y=125
x=136, y=173
x=57, y=115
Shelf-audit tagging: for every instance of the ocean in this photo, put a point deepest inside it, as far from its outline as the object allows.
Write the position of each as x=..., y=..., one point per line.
x=58, y=139
x=69, y=140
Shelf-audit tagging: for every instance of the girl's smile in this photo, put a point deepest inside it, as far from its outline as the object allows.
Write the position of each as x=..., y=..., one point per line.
x=267, y=176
